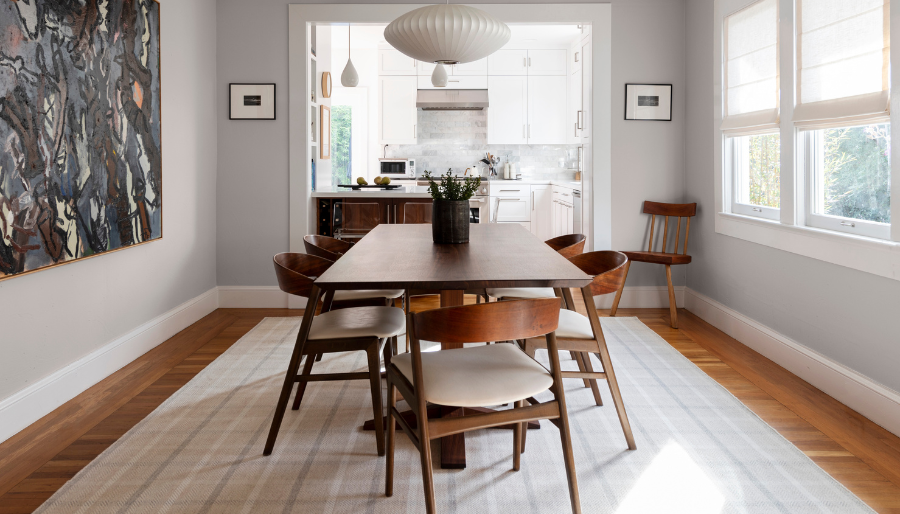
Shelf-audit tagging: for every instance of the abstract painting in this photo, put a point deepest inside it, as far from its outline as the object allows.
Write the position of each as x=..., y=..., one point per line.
x=80, y=152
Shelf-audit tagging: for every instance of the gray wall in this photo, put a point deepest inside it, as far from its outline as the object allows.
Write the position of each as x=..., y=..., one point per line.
x=54, y=317
x=647, y=163
x=847, y=315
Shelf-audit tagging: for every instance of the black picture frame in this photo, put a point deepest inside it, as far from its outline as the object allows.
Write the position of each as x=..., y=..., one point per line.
x=628, y=102
x=265, y=96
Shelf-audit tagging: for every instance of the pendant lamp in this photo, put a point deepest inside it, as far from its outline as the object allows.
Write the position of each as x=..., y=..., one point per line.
x=447, y=34
x=349, y=78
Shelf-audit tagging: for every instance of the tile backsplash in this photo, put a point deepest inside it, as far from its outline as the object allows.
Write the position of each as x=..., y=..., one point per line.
x=458, y=140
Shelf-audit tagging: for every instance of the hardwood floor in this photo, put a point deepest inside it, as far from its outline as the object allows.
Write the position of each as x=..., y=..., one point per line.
x=40, y=459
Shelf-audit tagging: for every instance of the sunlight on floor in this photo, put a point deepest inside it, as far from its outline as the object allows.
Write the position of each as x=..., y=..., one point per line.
x=673, y=483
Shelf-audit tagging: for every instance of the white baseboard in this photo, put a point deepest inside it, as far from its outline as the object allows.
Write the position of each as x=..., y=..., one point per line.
x=252, y=297
x=867, y=397
x=39, y=399
x=642, y=297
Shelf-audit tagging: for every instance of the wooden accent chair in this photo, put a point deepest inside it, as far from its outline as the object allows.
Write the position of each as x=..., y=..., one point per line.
x=568, y=246
x=681, y=210
x=333, y=249
x=583, y=335
x=477, y=377
x=344, y=330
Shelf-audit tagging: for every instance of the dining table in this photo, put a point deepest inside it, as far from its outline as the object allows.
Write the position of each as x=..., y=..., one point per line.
x=404, y=256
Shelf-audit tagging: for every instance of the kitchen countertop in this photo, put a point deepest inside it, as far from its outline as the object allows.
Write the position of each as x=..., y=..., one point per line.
x=422, y=191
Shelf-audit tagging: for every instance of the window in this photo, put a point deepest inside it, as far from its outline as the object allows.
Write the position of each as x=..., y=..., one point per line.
x=751, y=109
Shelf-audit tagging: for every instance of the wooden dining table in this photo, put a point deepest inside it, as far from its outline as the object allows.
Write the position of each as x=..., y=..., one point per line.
x=405, y=257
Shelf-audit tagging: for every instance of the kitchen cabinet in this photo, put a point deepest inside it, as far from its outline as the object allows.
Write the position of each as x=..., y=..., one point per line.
x=397, y=109
x=508, y=62
x=547, y=110
x=392, y=62
x=517, y=208
x=586, y=88
x=413, y=210
x=563, y=211
x=508, y=111
x=574, y=101
x=351, y=218
x=580, y=90
x=547, y=62
x=542, y=212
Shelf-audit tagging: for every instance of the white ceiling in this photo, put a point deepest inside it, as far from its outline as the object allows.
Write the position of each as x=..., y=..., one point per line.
x=370, y=36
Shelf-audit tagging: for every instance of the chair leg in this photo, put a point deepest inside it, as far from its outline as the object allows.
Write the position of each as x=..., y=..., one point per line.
x=616, y=394
x=319, y=357
x=517, y=440
x=589, y=368
x=425, y=454
x=391, y=429
x=565, y=435
x=673, y=308
x=301, y=386
x=377, y=407
x=615, y=305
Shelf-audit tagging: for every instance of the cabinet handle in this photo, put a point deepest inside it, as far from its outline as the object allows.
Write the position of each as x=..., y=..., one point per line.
x=580, y=119
x=529, y=62
x=396, y=219
x=388, y=207
x=524, y=62
x=576, y=56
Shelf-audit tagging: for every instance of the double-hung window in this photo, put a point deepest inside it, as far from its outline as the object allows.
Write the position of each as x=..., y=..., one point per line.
x=842, y=114
x=751, y=111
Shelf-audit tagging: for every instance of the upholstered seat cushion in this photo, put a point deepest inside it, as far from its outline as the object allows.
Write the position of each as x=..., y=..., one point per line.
x=521, y=292
x=573, y=326
x=365, y=294
x=478, y=376
x=378, y=322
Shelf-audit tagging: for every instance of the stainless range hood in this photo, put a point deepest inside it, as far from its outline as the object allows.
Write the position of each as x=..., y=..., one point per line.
x=452, y=99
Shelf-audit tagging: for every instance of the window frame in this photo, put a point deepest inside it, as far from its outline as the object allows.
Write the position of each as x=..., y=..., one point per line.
x=792, y=232
x=736, y=206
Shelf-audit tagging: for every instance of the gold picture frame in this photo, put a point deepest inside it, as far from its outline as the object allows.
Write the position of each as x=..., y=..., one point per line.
x=326, y=84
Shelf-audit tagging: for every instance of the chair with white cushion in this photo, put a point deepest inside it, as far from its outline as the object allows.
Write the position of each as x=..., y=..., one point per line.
x=333, y=249
x=477, y=377
x=344, y=330
x=568, y=246
x=583, y=335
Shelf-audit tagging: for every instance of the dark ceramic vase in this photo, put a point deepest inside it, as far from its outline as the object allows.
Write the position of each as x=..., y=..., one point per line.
x=450, y=221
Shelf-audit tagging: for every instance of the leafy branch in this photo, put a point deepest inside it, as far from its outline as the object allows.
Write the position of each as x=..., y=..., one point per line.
x=452, y=188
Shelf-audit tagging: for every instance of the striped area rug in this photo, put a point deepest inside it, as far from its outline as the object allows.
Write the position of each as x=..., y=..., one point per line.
x=700, y=450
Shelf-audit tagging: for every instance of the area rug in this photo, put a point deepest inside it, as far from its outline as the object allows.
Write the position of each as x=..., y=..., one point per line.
x=699, y=449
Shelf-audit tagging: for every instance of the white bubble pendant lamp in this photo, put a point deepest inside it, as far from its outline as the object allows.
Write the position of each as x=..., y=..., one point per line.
x=447, y=34
x=439, y=76
x=349, y=78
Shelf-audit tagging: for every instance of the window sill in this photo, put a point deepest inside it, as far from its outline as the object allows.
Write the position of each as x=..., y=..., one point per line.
x=870, y=255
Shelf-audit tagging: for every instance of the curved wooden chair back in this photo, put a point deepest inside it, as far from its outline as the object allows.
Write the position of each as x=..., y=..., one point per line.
x=607, y=267
x=497, y=321
x=326, y=247
x=568, y=245
x=296, y=272
x=681, y=210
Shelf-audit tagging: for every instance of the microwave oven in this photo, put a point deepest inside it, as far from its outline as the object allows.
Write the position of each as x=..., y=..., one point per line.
x=397, y=168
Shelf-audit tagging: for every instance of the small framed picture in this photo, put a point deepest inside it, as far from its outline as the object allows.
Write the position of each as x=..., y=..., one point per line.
x=324, y=132
x=648, y=102
x=251, y=102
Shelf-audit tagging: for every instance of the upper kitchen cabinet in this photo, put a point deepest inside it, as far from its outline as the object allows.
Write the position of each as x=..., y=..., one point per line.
x=508, y=111
x=479, y=67
x=392, y=62
x=397, y=110
x=547, y=110
x=547, y=62
x=508, y=62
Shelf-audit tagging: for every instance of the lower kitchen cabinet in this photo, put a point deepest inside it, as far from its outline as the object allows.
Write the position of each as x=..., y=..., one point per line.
x=352, y=218
x=416, y=210
x=563, y=211
x=542, y=212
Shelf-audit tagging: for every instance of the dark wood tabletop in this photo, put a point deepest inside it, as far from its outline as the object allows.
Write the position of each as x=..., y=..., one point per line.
x=405, y=257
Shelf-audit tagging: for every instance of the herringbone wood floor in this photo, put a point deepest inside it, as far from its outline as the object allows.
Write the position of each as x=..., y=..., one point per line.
x=39, y=460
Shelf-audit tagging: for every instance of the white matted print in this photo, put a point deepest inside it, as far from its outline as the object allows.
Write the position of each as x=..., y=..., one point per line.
x=648, y=102
x=252, y=102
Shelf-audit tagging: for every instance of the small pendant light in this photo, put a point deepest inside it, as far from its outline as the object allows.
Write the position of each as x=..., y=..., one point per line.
x=439, y=76
x=349, y=78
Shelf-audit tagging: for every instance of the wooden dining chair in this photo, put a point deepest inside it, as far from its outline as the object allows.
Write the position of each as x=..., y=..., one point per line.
x=654, y=209
x=476, y=377
x=568, y=246
x=583, y=335
x=344, y=330
x=332, y=249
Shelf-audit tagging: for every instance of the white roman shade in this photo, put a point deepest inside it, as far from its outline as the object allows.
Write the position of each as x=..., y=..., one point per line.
x=843, y=53
x=751, y=69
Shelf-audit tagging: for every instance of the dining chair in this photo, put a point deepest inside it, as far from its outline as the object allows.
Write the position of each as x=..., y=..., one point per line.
x=584, y=334
x=332, y=249
x=476, y=377
x=654, y=209
x=344, y=330
x=568, y=246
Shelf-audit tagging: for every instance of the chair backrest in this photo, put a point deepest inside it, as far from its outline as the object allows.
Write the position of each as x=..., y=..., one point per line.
x=607, y=267
x=568, y=245
x=296, y=272
x=681, y=210
x=497, y=321
x=326, y=247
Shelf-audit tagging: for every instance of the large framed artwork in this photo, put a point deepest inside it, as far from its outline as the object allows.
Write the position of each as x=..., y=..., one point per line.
x=81, y=158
